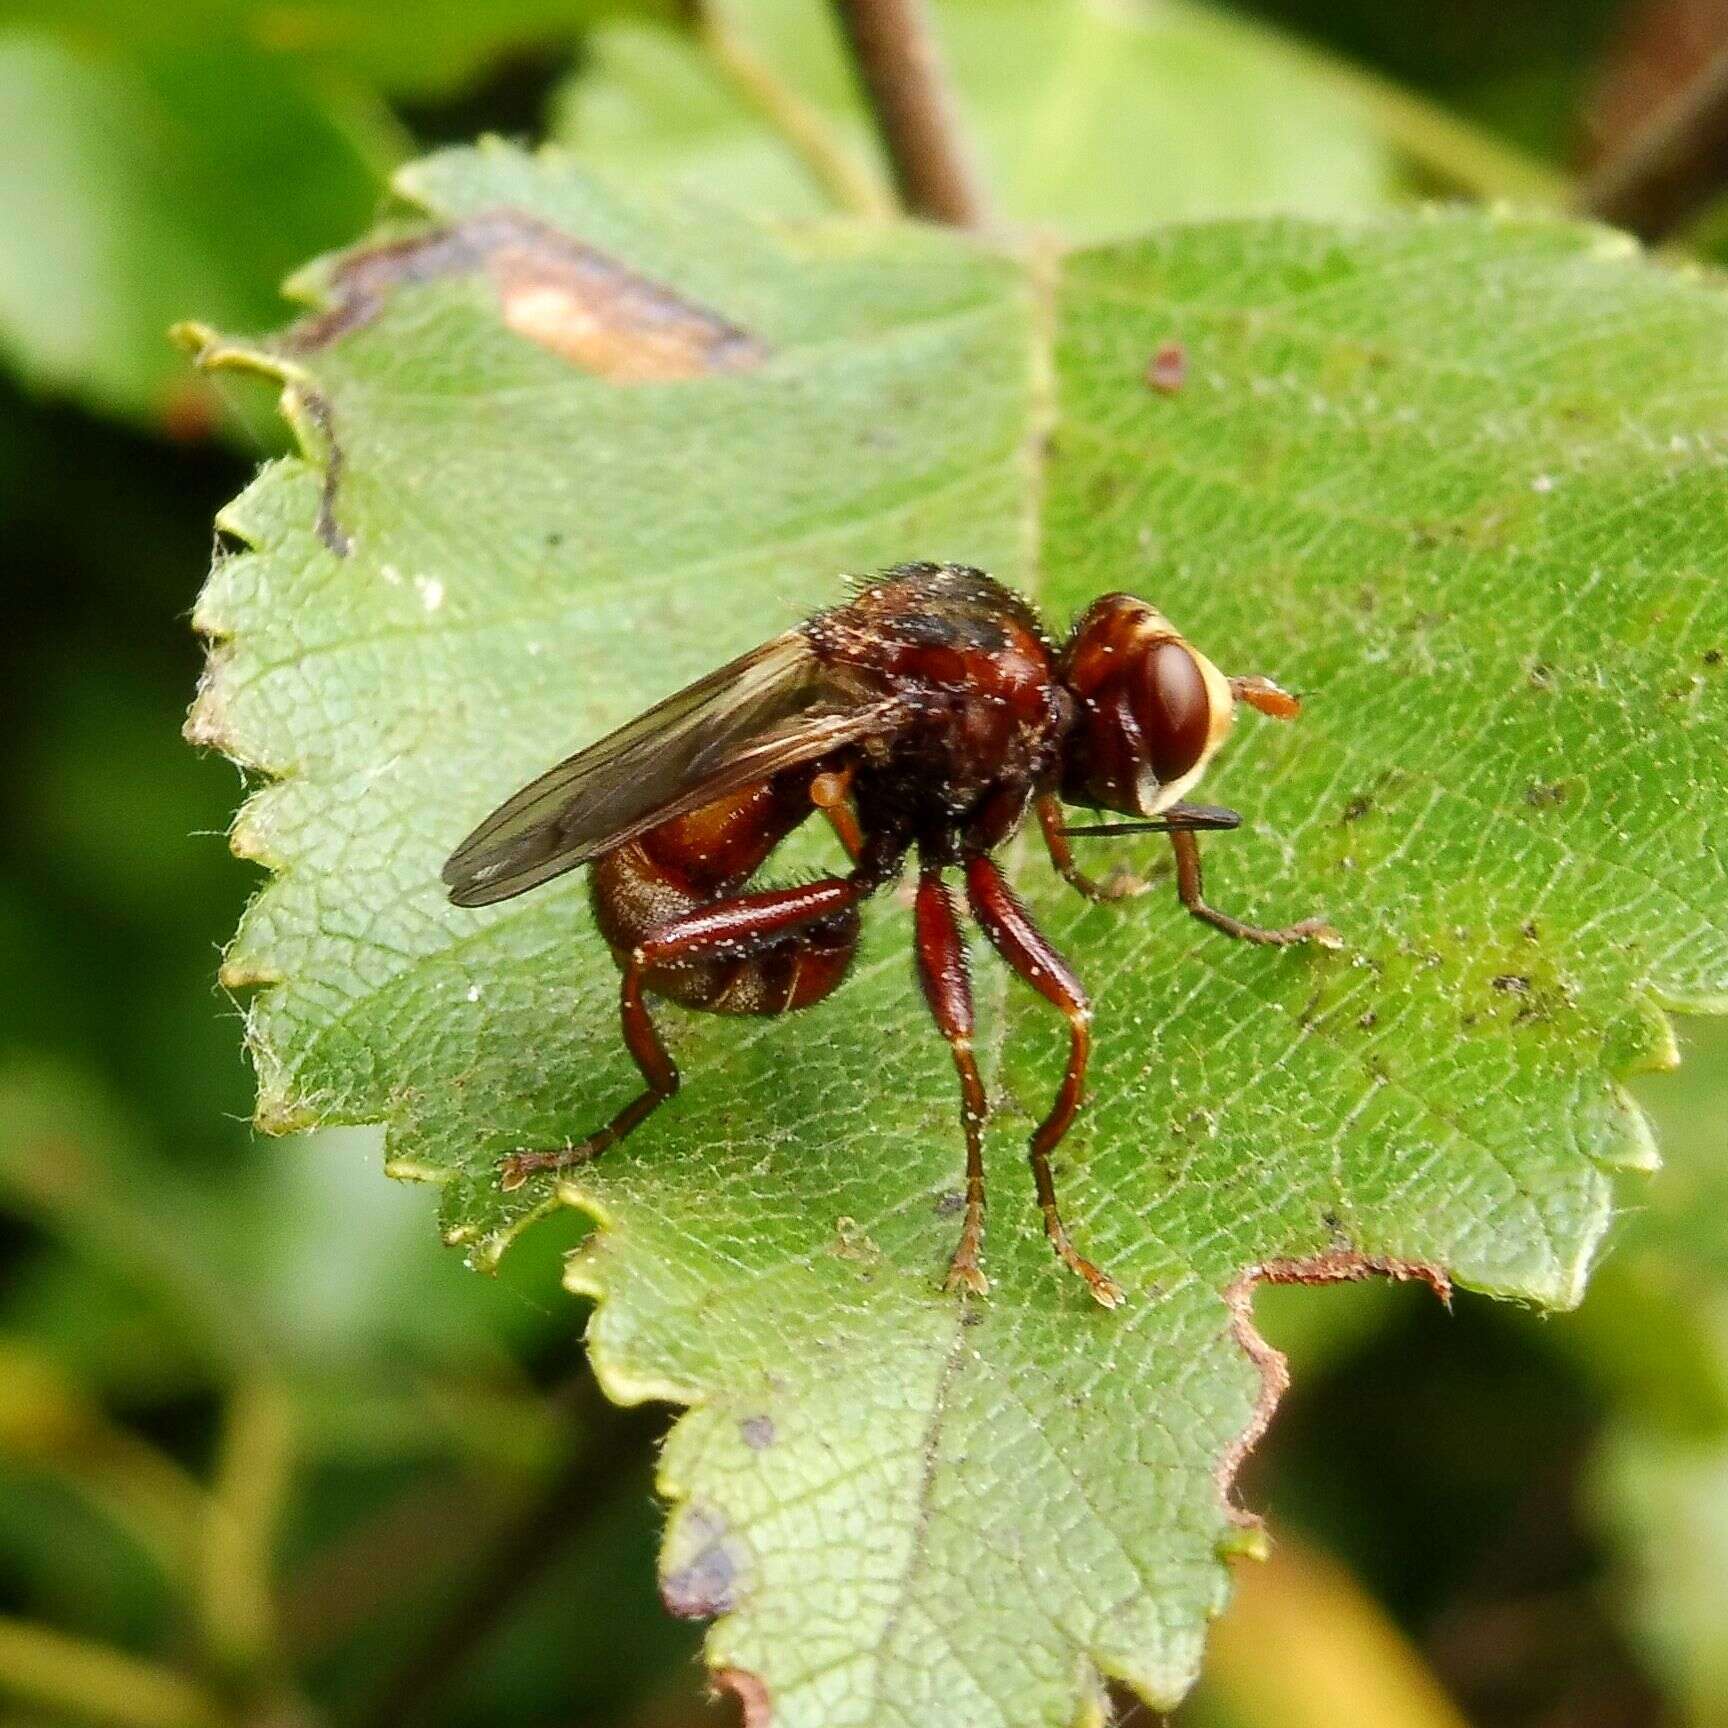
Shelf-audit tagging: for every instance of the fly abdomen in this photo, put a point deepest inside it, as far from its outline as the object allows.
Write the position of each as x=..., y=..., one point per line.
x=691, y=862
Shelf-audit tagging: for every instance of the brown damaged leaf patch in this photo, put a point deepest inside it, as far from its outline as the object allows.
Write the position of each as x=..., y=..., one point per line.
x=568, y=297
x=702, y=1582
x=1332, y=1266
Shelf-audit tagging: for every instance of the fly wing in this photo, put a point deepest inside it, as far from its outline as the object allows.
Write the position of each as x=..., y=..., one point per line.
x=776, y=707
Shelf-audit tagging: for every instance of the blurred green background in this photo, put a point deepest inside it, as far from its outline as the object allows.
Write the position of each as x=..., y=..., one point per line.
x=268, y=1454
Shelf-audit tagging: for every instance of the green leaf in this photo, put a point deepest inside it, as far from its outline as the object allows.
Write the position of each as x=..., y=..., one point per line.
x=1658, y=1485
x=1458, y=479
x=1096, y=116
x=1664, y=1501
x=1655, y=1334
x=425, y=51
x=158, y=185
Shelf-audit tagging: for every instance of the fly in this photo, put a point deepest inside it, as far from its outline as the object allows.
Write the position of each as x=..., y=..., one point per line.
x=928, y=716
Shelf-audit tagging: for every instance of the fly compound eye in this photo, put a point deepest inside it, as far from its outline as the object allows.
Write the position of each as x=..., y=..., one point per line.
x=1175, y=711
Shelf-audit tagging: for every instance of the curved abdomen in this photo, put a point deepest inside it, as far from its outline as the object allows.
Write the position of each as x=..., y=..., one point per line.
x=708, y=855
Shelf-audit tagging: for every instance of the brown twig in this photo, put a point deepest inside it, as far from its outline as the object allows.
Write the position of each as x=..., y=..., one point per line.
x=900, y=66
x=1674, y=165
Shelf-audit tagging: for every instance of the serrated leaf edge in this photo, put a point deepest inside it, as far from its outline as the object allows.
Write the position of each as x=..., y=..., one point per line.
x=283, y=1109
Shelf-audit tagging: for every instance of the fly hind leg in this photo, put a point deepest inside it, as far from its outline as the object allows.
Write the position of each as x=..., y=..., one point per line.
x=812, y=929
x=658, y=1070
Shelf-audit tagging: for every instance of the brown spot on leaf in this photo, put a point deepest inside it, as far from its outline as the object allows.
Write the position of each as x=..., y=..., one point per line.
x=553, y=289
x=706, y=1583
x=1167, y=370
x=1104, y=489
x=1358, y=807
x=758, y=1432
x=1712, y=656
x=1540, y=794
x=1331, y=1266
x=1511, y=983
x=316, y=408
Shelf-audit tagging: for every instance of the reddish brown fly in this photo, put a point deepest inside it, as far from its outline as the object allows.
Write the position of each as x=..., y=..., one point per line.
x=927, y=715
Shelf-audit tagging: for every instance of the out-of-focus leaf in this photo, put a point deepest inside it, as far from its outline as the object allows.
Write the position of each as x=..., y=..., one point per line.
x=69, y=1164
x=1655, y=1332
x=424, y=50
x=84, y=1681
x=1318, y=1328
x=1092, y=116
x=1306, y=1646
x=1659, y=1339
x=1458, y=478
x=1523, y=69
x=1663, y=1498
x=144, y=186
x=304, y=1263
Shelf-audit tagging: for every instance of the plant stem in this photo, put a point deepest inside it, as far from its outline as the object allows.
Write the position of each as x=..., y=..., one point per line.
x=1461, y=155
x=95, y=1683
x=236, y=1600
x=900, y=66
x=853, y=185
x=402, y=1547
x=1676, y=163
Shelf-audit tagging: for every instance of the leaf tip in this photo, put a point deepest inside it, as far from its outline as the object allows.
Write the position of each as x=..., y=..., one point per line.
x=243, y=972
x=1246, y=1538
x=400, y=1168
x=211, y=351
x=206, y=725
x=279, y=1113
x=1632, y=1140
x=582, y=1266
x=1642, y=1040
x=193, y=337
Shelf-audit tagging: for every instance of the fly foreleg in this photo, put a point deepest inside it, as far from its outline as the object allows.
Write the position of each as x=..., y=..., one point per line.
x=1120, y=884
x=1190, y=889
